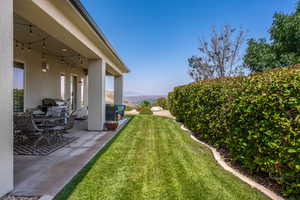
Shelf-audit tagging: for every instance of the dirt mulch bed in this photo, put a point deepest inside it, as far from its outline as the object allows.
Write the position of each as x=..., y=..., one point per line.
x=260, y=178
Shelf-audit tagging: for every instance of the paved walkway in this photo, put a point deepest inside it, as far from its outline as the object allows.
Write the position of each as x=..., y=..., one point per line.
x=164, y=113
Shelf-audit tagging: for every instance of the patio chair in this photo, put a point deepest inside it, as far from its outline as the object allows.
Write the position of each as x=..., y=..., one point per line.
x=25, y=125
x=82, y=114
x=58, y=112
x=110, y=113
x=20, y=127
x=62, y=129
x=120, y=110
x=70, y=122
x=114, y=112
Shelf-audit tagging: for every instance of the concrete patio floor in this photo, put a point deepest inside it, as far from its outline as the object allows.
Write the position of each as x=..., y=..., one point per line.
x=47, y=175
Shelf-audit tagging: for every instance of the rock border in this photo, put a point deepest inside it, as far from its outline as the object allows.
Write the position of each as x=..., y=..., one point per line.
x=222, y=163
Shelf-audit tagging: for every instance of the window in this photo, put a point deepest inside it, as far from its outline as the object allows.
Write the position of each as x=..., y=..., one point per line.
x=18, y=87
x=62, y=86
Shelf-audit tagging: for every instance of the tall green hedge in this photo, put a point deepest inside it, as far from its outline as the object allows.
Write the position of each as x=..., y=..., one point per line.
x=256, y=118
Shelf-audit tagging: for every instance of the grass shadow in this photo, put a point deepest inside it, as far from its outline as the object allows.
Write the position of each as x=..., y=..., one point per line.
x=69, y=188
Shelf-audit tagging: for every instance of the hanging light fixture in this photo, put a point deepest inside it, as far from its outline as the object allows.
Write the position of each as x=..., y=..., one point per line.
x=45, y=66
x=62, y=60
x=17, y=44
x=30, y=29
x=44, y=43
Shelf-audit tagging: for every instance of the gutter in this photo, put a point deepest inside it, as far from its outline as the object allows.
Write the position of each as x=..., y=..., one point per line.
x=84, y=13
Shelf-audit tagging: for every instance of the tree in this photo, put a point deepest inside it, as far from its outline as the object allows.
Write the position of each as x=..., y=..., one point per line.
x=220, y=56
x=282, y=50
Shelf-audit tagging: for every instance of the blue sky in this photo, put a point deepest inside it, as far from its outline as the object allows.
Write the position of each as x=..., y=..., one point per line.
x=155, y=37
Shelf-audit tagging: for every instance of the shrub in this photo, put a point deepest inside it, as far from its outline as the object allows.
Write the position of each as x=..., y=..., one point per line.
x=256, y=118
x=139, y=108
x=146, y=111
x=162, y=102
x=144, y=103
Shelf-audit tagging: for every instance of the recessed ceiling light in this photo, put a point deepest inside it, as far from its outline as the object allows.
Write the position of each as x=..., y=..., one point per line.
x=64, y=50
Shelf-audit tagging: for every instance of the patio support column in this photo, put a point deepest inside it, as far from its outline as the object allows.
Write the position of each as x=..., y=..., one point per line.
x=96, y=95
x=6, y=97
x=68, y=87
x=85, y=91
x=118, y=90
x=78, y=84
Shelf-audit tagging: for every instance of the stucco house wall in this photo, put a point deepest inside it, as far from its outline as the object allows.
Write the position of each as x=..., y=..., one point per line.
x=40, y=85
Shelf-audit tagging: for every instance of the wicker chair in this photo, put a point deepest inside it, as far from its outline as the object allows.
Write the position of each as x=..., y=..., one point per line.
x=25, y=127
x=70, y=121
x=67, y=126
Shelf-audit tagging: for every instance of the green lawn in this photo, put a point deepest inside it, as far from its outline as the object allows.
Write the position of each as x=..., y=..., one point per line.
x=152, y=158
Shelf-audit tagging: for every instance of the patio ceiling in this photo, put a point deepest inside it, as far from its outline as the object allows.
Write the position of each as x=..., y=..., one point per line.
x=65, y=23
x=29, y=37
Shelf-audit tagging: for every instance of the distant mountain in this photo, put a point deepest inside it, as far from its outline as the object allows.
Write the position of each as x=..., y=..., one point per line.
x=138, y=99
x=132, y=101
x=109, y=99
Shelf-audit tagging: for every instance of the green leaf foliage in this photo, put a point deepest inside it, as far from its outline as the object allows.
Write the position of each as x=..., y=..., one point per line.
x=256, y=118
x=144, y=103
x=282, y=50
x=162, y=102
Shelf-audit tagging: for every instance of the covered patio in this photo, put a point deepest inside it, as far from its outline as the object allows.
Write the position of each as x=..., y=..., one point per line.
x=46, y=175
x=53, y=49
